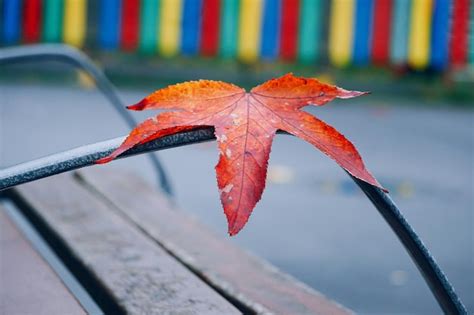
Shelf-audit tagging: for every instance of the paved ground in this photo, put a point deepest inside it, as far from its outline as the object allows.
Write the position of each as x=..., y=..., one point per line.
x=312, y=221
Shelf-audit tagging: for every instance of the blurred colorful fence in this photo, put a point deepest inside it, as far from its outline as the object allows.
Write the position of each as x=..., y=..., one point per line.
x=435, y=34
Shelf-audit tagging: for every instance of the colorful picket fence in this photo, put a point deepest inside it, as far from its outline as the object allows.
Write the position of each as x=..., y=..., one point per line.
x=435, y=34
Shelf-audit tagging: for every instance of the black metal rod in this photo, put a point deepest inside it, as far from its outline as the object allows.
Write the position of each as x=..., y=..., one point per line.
x=85, y=156
x=88, y=154
x=429, y=269
x=74, y=57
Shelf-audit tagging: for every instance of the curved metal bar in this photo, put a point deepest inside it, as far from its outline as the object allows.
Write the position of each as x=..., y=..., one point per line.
x=72, y=56
x=88, y=154
x=429, y=269
x=85, y=156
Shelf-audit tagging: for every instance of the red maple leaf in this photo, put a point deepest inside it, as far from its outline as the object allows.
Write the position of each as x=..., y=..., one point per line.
x=245, y=124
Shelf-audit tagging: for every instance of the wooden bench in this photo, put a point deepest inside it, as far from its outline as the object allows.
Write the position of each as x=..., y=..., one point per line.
x=135, y=253
x=24, y=274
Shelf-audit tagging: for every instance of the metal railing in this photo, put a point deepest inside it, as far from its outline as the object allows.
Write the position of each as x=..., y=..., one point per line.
x=74, y=57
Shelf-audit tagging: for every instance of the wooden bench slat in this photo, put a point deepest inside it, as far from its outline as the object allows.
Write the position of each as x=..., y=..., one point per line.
x=139, y=275
x=28, y=285
x=251, y=281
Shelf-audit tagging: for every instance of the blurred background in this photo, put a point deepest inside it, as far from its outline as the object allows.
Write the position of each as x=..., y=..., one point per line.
x=415, y=131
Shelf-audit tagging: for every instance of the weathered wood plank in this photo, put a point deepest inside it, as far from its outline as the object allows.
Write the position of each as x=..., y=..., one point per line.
x=27, y=283
x=139, y=275
x=251, y=281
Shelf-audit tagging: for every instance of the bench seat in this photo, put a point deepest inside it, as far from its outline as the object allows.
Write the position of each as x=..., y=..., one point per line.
x=136, y=253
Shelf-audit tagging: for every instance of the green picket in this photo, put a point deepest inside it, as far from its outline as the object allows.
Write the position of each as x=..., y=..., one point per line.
x=310, y=30
x=229, y=28
x=149, y=26
x=52, y=20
